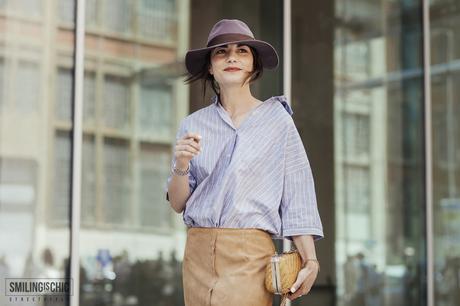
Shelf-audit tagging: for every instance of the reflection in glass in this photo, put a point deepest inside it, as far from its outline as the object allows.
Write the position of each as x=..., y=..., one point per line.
x=27, y=76
x=35, y=141
x=155, y=111
x=131, y=241
x=117, y=188
x=380, y=250
x=445, y=97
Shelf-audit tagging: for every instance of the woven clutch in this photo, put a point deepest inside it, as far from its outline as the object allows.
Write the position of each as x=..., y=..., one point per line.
x=281, y=273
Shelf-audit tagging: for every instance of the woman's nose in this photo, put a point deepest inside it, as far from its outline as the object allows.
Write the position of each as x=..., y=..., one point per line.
x=231, y=55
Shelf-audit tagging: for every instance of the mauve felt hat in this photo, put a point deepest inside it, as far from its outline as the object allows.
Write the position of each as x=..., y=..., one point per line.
x=230, y=31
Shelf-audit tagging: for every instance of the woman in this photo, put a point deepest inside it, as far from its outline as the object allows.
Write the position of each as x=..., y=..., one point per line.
x=241, y=177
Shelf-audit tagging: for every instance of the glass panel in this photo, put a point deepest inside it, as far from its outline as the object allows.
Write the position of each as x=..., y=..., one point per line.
x=128, y=119
x=157, y=20
x=117, y=182
x=358, y=82
x=118, y=16
x=132, y=242
x=153, y=167
x=3, y=85
x=62, y=162
x=66, y=9
x=91, y=16
x=35, y=145
x=64, y=94
x=380, y=249
x=155, y=117
x=89, y=100
x=29, y=8
x=116, y=102
x=445, y=96
x=28, y=86
x=88, y=182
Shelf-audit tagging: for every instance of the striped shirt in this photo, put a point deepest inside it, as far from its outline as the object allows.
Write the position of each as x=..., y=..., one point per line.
x=254, y=176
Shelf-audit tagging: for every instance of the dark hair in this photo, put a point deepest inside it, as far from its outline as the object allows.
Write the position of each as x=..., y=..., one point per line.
x=206, y=77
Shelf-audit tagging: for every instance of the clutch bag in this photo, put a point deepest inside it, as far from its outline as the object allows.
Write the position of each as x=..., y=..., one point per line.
x=281, y=272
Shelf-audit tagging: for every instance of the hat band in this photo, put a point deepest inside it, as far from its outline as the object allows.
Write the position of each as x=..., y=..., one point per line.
x=227, y=38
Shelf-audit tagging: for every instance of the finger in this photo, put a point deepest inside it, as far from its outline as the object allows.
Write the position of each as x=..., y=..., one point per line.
x=301, y=291
x=307, y=285
x=190, y=148
x=195, y=144
x=299, y=281
x=293, y=296
x=189, y=141
x=195, y=136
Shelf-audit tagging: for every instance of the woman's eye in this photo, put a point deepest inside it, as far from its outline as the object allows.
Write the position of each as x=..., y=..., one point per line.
x=244, y=50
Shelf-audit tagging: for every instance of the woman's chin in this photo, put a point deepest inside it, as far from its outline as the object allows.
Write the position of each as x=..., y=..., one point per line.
x=232, y=82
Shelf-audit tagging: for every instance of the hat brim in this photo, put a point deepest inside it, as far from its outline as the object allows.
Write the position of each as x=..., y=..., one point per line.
x=196, y=59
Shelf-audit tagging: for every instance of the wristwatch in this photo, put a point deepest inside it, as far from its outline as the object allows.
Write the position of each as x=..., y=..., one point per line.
x=180, y=172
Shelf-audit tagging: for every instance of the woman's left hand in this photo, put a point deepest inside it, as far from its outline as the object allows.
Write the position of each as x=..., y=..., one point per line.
x=305, y=280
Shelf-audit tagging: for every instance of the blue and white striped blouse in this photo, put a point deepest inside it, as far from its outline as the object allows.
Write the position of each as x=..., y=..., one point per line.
x=254, y=176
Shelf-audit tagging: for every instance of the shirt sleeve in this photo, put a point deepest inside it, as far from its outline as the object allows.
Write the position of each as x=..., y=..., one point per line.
x=299, y=210
x=191, y=178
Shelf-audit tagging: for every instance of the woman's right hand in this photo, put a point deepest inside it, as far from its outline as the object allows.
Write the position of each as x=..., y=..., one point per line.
x=186, y=148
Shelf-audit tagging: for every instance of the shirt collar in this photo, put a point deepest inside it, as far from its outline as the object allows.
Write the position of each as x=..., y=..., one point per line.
x=215, y=100
x=282, y=99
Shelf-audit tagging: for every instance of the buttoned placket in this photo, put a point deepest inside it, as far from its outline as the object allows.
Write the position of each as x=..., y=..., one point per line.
x=225, y=163
x=226, y=117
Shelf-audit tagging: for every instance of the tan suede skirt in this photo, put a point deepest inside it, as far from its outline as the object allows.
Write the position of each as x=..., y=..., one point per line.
x=226, y=266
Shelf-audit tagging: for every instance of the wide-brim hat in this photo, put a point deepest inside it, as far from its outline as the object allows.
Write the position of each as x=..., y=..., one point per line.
x=230, y=31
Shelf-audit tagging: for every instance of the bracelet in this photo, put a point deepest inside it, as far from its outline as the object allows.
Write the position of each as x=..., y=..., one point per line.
x=180, y=172
x=315, y=260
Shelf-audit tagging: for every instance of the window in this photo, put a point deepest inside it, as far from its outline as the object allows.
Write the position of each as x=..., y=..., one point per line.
x=118, y=16
x=154, y=116
x=117, y=188
x=356, y=135
x=66, y=9
x=153, y=167
x=2, y=83
x=89, y=103
x=88, y=181
x=157, y=19
x=116, y=102
x=357, y=181
x=91, y=9
x=31, y=8
x=63, y=101
x=61, y=187
x=27, y=86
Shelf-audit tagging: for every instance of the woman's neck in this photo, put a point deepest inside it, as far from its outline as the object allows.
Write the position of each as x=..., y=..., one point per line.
x=237, y=100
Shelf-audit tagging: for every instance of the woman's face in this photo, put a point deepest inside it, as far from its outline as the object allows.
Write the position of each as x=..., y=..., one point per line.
x=231, y=56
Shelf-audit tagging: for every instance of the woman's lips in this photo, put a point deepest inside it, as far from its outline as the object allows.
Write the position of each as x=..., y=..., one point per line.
x=232, y=69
